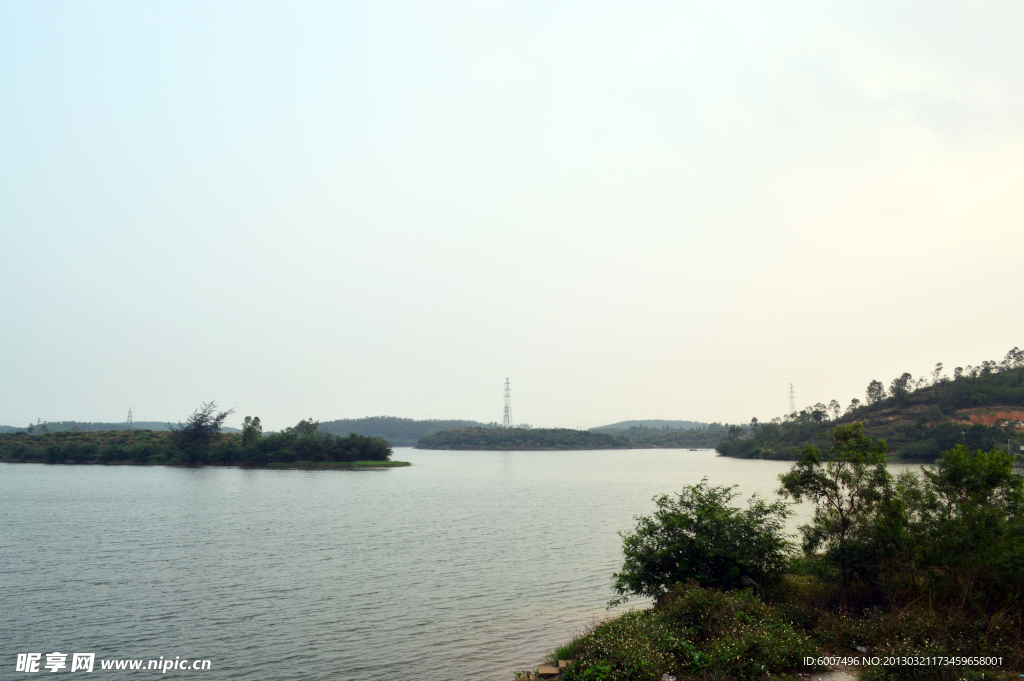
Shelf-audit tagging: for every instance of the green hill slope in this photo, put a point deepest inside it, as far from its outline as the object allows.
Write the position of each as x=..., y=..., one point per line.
x=980, y=407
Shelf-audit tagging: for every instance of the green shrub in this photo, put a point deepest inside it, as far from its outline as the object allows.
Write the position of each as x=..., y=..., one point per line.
x=698, y=535
x=55, y=453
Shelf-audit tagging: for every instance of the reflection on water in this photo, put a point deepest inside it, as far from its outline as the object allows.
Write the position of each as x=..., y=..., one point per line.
x=467, y=565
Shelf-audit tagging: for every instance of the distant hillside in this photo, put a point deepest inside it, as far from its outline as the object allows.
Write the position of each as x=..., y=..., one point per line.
x=659, y=424
x=511, y=439
x=508, y=439
x=397, y=431
x=88, y=427
x=980, y=407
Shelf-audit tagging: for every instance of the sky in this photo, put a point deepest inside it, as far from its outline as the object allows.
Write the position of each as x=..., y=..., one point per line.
x=663, y=210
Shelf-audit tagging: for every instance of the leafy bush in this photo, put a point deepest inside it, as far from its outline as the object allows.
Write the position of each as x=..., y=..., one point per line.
x=698, y=535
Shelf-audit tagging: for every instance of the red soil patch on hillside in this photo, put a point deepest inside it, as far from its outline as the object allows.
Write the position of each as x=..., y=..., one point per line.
x=994, y=418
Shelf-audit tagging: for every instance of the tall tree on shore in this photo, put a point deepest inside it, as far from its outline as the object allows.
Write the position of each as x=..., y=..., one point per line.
x=201, y=428
x=252, y=430
x=845, y=483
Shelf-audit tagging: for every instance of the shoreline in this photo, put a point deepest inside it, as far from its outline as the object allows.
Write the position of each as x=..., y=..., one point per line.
x=327, y=465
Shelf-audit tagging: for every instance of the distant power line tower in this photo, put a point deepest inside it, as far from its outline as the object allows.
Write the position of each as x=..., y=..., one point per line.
x=130, y=426
x=508, y=406
x=792, y=399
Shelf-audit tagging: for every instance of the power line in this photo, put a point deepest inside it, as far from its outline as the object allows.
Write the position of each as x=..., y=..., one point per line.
x=508, y=406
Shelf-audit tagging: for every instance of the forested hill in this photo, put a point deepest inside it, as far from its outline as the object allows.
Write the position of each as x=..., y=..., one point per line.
x=980, y=407
x=510, y=439
x=397, y=431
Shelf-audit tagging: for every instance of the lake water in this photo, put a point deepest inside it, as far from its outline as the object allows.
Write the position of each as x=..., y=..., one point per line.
x=466, y=565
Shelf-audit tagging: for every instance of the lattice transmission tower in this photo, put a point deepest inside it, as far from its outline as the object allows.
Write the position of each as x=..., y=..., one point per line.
x=792, y=399
x=130, y=425
x=508, y=406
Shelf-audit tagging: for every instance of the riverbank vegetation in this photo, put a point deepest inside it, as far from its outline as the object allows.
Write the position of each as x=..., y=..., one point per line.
x=198, y=441
x=922, y=566
x=978, y=407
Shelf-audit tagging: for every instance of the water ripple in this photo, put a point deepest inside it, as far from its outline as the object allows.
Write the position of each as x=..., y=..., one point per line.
x=467, y=565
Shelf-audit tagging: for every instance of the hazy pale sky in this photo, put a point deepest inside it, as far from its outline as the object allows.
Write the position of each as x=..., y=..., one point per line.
x=633, y=210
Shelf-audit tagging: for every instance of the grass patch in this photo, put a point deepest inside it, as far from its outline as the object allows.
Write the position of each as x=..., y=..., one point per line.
x=341, y=464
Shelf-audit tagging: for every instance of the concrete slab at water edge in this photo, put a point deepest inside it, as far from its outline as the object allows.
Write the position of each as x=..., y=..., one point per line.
x=835, y=675
x=847, y=674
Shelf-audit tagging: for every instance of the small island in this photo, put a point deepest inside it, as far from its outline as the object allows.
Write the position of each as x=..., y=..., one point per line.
x=199, y=442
